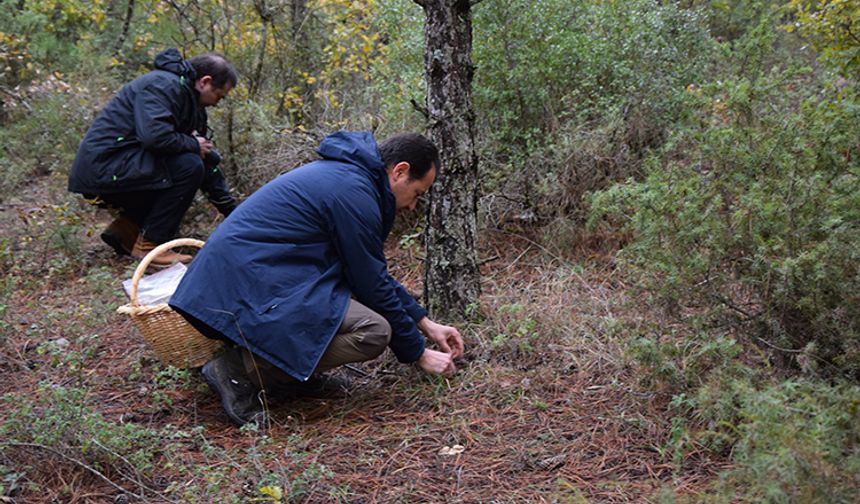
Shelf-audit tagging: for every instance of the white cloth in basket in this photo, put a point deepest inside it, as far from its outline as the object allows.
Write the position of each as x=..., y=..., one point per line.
x=157, y=287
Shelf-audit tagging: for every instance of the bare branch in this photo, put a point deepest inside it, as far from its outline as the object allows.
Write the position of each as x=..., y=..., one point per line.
x=126, y=26
x=420, y=108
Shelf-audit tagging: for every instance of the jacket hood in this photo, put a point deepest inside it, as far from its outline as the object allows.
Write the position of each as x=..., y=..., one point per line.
x=359, y=149
x=171, y=61
x=354, y=147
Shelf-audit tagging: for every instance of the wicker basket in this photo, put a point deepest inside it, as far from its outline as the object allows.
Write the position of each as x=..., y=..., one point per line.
x=174, y=340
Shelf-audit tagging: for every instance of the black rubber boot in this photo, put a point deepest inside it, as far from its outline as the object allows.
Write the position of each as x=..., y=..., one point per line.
x=241, y=399
x=320, y=386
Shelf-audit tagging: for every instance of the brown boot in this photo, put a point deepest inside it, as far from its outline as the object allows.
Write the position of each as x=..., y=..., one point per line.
x=121, y=234
x=167, y=258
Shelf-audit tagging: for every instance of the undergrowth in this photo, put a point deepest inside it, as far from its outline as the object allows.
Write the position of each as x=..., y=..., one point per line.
x=59, y=431
x=743, y=233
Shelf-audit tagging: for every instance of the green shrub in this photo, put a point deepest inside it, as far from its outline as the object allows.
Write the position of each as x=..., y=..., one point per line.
x=797, y=441
x=751, y=213
x=536, y=68
x=744, y=229
x=58, y=422
x=569, y=103
x=50, y=238
x=45, y=141
x=683, y=362
x=730, y=20
x=399, y=83
x=832, y=27
x=35, y=36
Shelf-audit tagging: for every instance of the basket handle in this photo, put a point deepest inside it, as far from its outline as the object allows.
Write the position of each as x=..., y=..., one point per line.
x=144, y=263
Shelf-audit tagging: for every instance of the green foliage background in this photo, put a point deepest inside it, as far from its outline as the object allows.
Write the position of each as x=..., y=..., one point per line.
x=717, y=139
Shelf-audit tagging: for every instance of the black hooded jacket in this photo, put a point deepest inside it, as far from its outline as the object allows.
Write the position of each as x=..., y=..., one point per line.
x=151, y=117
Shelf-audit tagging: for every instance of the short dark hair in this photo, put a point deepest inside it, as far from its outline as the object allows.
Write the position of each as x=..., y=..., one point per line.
x=217, y=66
x=413, y=148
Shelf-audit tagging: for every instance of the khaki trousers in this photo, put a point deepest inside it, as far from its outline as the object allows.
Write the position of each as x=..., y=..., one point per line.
x=363, y=335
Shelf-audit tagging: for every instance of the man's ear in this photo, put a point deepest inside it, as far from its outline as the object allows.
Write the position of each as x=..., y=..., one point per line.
x=401, y=169
x=202, y=81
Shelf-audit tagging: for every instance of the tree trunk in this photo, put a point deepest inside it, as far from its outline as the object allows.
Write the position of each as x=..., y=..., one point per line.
x=265, y=18
x=298, y=61
x=126, y=25
x=452, y=282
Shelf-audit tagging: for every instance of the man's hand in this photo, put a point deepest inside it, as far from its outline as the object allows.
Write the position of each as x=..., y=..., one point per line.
x=205, y=145
x=446, y=337
x=435, y=362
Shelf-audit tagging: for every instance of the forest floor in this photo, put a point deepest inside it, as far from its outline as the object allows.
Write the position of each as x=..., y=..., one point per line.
x=546, y=406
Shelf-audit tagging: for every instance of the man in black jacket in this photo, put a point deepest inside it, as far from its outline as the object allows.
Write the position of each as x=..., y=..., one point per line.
x=147, y=153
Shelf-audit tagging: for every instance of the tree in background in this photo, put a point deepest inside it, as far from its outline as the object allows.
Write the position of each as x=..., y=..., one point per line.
x=452, y=281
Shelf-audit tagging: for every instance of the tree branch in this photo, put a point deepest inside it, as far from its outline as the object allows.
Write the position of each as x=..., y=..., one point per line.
x=126, y=25
x=420, y=108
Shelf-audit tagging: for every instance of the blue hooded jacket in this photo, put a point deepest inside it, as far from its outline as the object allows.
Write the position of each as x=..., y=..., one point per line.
x=277, y=275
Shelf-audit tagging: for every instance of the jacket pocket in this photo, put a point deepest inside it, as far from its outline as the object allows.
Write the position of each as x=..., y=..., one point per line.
x=131, y=169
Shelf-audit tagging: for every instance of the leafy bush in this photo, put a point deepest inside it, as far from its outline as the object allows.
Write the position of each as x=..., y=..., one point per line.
x=45, y=140
x=35, y=36
x=59, y=424
x=751, y=213
x=744, y=229
x=731, y=20
x=49, y=239
x=832, y=26
x=568, y=103
x=679, y=363
x=796, y=441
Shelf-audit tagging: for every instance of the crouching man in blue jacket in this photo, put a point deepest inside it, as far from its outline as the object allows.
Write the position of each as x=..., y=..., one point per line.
x=296, y=276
